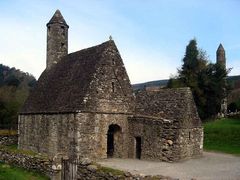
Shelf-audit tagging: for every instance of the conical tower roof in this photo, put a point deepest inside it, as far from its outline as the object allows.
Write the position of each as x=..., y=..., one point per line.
x=220, y=47
x=57, y=18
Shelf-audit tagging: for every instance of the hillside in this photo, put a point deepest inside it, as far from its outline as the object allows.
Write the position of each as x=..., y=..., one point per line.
x=233, y=80
x=150, y=84
x=14, y=89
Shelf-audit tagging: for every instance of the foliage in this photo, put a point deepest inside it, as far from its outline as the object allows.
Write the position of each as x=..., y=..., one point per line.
x=13, y=173
x=222, y=135
x=234, y=106
x=206, y=80
x=14, y=89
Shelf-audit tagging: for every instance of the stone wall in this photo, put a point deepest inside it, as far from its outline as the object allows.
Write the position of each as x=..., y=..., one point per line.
x=60, y=169
x=47, y=133
x=94, y=171
x=31, y=162
x=190, y=142
x=92, y=132
x=77, y=135
x=163, y=140
x=8, y=139
x=158, y=138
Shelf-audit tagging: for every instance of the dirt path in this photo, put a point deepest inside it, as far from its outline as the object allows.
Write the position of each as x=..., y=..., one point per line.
x=211, y=166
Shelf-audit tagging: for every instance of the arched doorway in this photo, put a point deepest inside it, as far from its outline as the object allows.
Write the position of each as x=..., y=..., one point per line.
x=114, y=141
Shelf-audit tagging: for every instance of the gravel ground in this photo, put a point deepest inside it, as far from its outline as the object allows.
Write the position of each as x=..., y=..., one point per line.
x=211, y=166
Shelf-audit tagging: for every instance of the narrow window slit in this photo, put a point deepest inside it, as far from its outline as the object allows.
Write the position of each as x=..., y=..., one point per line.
x=113, y=87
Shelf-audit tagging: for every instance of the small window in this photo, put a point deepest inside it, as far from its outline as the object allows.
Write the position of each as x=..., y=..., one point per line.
x=189, y=135
x=113, y=87
x=113, y=61
x=63, y=30
x=62, y=44
x=49, y=28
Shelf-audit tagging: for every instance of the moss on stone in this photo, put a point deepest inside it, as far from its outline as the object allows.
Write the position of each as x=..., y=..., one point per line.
x=13, y=149
x=116, y=172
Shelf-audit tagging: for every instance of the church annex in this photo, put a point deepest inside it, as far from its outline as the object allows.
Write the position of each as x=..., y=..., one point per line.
x=83, y=106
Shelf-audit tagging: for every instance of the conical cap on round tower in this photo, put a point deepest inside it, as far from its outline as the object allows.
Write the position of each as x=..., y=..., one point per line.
x=220, y=48
x=57, y=18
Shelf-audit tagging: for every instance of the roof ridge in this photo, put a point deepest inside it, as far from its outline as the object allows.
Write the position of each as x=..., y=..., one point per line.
x=92, y=47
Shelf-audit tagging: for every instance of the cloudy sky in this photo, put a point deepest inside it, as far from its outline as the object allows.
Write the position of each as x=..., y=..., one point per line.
x=151, y=35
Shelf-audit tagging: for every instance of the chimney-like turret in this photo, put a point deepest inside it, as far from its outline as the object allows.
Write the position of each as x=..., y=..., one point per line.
x=57, y=39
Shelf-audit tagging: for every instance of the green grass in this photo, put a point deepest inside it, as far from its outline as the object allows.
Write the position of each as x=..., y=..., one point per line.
x=8, y=172
x=222, y=135
x=111, y=170
x=4, y=132
x=13, y=149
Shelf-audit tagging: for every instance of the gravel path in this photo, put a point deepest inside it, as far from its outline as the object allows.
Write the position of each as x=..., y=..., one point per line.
x=211, y=166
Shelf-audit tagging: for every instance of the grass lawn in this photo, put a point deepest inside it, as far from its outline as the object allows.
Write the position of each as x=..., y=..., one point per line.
x=222, y=135
x=8, y=172
x=7, y=132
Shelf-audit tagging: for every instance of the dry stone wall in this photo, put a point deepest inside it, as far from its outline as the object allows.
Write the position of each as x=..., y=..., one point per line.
x=30, y=162
x=93, y=171
x=8, y=139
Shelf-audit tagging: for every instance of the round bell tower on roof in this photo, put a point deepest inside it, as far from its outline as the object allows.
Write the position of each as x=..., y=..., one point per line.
x=57, y=39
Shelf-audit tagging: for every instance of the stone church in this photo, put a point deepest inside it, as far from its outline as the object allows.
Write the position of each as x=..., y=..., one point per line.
x=83, y=106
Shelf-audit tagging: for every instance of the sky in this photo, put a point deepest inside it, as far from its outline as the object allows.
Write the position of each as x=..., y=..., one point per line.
x=150, y=35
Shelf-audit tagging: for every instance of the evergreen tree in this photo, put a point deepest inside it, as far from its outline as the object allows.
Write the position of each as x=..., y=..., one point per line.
x=207, y=81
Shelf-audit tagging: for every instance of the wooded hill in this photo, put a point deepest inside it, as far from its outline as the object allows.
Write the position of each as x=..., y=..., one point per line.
x=14, y=89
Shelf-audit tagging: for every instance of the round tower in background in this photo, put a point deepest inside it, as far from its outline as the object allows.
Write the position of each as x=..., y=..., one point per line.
x=221, y=59
x=57, y=39
x=220, y=54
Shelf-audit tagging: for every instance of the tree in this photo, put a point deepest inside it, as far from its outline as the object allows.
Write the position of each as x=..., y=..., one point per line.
x=14, y=89
x=207, y=81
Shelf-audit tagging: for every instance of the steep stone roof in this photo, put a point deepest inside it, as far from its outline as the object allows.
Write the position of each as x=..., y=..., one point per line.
x=57, y=18
x=172, y=104
x=63, y=87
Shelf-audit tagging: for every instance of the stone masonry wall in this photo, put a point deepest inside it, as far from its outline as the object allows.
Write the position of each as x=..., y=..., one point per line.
x=30, y=162
x=49, y=133
x=162, y=139
x=158, y=138
x=74, y=135
x=95, y=171
x=92, y=129
x=8, y=139
x=191, y=142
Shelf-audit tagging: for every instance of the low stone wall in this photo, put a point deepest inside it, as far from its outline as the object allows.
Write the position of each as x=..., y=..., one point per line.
x=95, y=172
x=31, y=162
x=60, y=169
x=8, y=139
